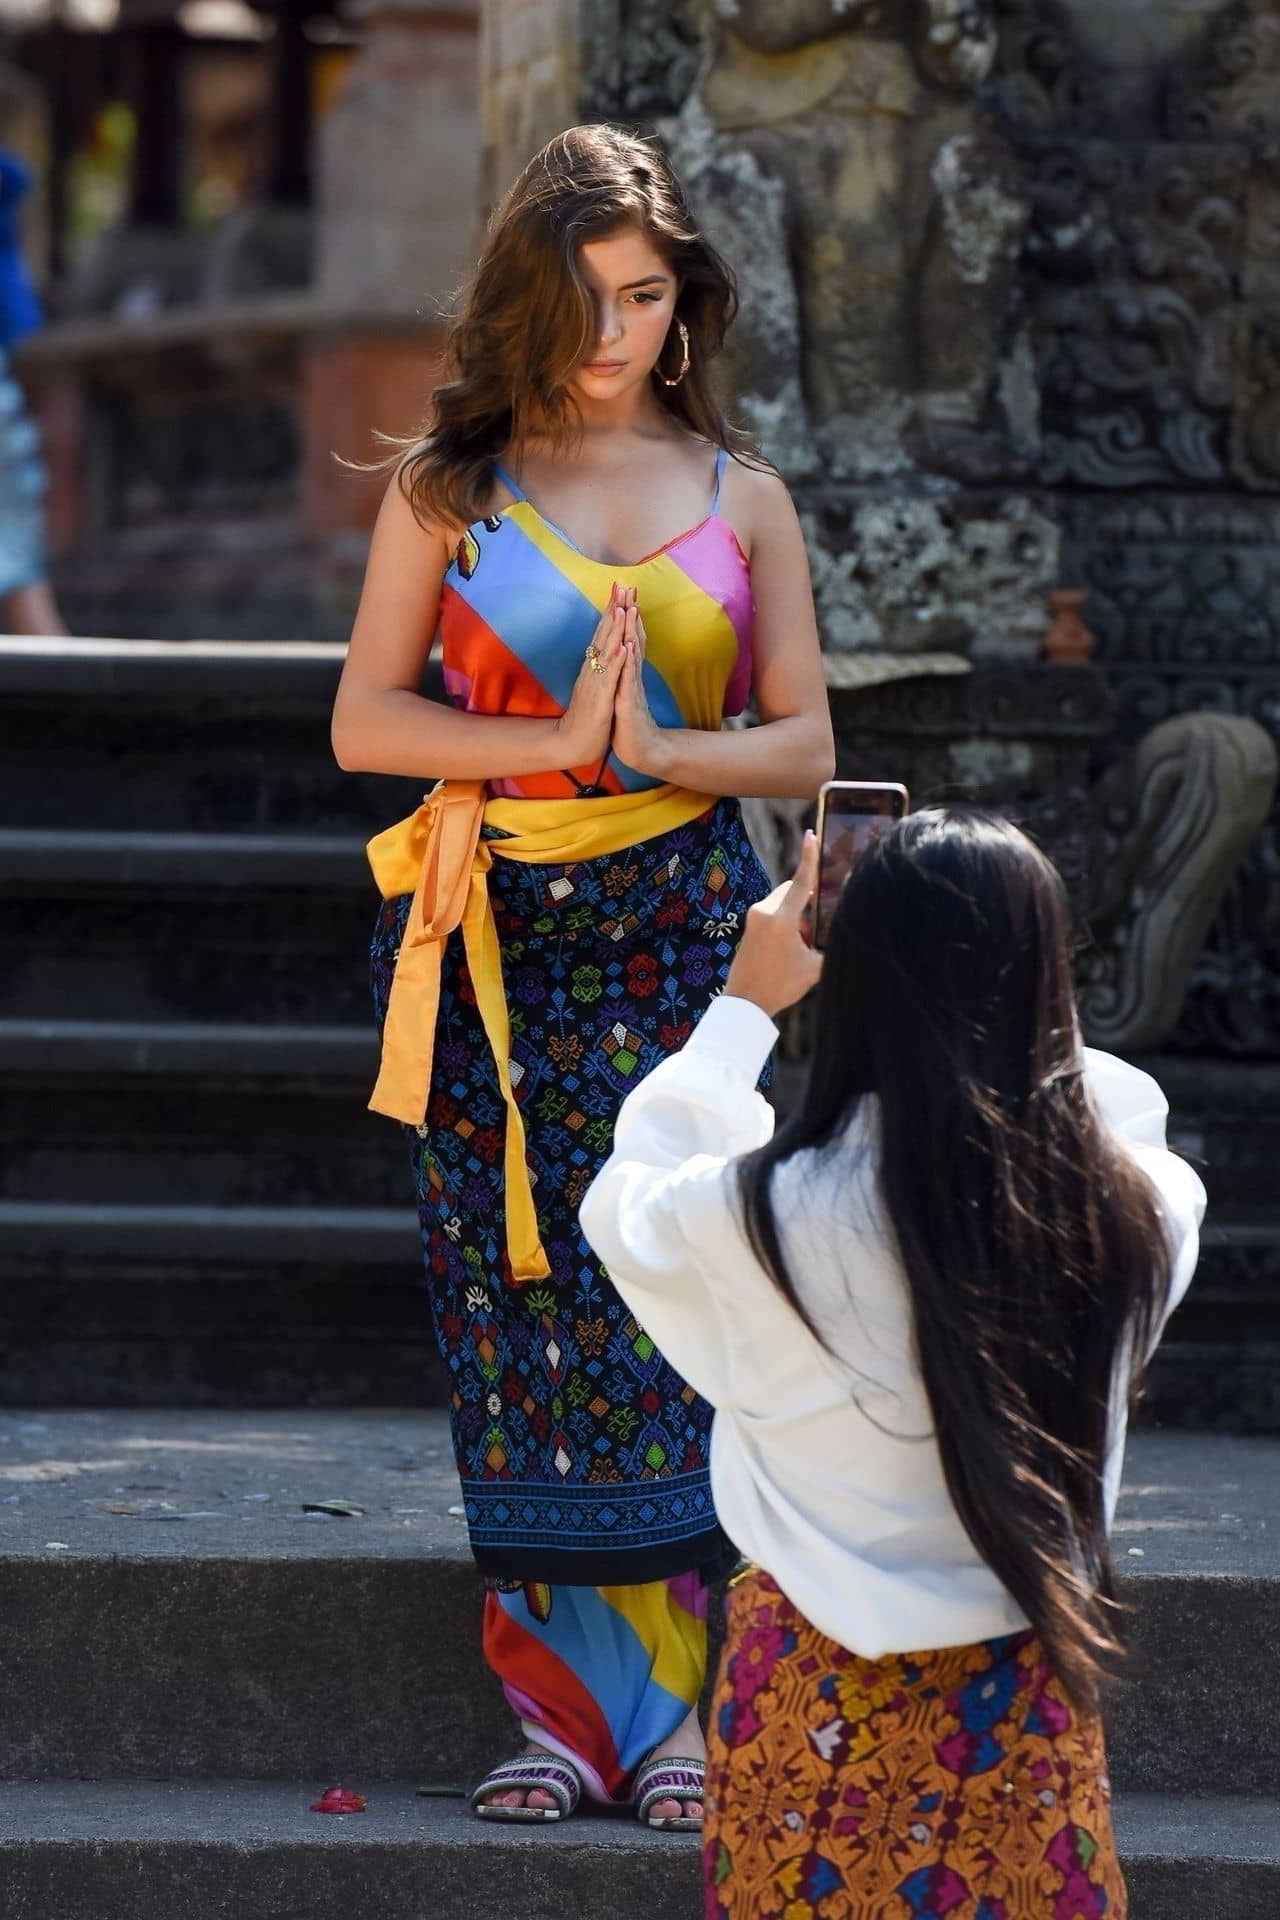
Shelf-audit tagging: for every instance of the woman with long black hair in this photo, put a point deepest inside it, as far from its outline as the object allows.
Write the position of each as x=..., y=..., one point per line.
x=921, y=1311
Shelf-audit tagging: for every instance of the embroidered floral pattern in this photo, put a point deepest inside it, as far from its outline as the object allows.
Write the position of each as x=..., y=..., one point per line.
x=953, y=1785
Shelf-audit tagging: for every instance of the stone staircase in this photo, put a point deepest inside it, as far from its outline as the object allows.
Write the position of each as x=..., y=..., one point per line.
x=195, y=1206
x=209, y=1271
x=191, y=1658
x=1221, y=1366
x=196, y=1209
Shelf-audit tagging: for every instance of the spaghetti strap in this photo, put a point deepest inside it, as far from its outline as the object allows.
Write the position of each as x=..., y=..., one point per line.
x=721, y=457
x=519, y=493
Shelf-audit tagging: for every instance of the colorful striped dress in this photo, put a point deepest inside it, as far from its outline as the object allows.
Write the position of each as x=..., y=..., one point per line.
x=583, y=1455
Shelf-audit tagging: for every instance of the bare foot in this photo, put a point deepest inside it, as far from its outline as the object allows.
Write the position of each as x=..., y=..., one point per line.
x=686, y=1743
x=535, y=1797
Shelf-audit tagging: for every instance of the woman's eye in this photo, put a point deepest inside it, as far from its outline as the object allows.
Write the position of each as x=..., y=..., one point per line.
x=646, y=299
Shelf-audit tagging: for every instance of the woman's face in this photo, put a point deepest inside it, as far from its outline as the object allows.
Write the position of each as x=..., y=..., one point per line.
x=634, y=294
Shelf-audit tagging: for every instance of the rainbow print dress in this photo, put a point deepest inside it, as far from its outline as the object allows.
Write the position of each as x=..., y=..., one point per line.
x=520, y=603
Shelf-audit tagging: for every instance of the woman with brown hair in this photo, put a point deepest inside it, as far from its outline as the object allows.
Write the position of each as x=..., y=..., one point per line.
x=920, y=1309
x=610, y=571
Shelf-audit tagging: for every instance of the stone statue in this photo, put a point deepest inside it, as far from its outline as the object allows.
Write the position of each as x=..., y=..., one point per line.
x=837, y=149
x=840, y=156
x=1171, y=824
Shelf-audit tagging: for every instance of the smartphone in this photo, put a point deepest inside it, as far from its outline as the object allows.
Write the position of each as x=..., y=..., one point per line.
x=851, y=813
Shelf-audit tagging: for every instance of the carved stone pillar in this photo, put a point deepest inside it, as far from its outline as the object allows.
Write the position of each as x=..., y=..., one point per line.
x=397, y=161
x=531, y=79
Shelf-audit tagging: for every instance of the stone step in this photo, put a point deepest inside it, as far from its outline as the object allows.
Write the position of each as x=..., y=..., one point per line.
x=1226, y=1119
x=277, y=955
x=155, y=736
x=229, y=1849
x=1219, y=1364
x=49, y=862
x=278, y=1235
x=122, y=1292
x=67, y=1051
x=220, y=1115
x=203, y=1306
x=206, y=1631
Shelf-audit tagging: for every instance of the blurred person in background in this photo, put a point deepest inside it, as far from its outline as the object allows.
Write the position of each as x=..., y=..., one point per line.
x=27, y=603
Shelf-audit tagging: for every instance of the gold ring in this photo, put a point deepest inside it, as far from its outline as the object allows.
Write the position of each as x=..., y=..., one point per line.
x=595, y=658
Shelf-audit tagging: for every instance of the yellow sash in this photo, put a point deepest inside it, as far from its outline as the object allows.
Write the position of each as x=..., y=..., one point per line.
x=437, y=855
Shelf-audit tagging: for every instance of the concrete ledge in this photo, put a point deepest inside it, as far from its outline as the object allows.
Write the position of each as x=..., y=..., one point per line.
x=95, y=1850
x=49, y=861
x=79, y=1049
x=378, y=1236
x=243, y=674
x=228, y=1851
x=206, y=1630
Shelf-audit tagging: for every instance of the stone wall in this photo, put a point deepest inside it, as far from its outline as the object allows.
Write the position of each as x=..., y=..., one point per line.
x=1148, y=137
x=1010, y=319
x=840, y=157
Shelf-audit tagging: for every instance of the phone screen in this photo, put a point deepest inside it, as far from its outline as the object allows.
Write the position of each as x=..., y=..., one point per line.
x=851, y=813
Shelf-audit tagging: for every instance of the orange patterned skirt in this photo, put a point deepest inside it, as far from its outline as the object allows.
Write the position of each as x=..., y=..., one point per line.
x=958, y=1784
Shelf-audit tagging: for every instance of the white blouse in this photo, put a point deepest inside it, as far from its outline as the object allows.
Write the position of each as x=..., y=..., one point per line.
x=824, y=1470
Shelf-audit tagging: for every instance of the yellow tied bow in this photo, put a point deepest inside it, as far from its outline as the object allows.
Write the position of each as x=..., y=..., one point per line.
x=436, y=854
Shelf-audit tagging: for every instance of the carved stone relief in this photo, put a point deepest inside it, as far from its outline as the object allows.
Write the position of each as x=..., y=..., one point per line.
x=900, y=572
x=1171, y=824
x=1183, y=593
x=838, y=153
x=1152, y=275
x=1228, y=85
x=640, y=58
x=1134, y=261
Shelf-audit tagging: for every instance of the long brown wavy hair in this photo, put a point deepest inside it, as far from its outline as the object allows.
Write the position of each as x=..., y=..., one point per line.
x=526, y=318
x=1036, y=1259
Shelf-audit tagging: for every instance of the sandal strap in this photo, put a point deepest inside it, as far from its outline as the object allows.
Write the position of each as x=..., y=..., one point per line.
x=674, y=1778
x=551, y=1775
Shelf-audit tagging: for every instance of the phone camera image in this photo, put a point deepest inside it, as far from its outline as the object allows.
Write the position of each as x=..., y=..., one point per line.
x=851, y=815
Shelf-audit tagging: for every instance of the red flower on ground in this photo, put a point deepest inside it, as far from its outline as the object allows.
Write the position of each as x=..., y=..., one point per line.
x=338, y=1800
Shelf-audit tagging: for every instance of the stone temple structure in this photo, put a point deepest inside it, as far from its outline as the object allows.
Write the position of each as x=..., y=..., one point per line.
x=1009, y=307
x=1011, y=329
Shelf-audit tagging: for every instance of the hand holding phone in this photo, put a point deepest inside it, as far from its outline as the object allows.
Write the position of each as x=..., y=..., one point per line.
x=775, y=964
x=851, y=813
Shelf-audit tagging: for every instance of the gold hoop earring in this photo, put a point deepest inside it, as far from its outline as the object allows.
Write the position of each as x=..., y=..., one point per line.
x=684, y=364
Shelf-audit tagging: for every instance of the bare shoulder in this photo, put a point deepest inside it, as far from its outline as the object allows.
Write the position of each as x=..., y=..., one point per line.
x=407, y=526
x=756, y=502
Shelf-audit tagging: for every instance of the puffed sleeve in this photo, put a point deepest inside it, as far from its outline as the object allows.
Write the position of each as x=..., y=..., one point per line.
x=661, y=1212
x=1134, y=1108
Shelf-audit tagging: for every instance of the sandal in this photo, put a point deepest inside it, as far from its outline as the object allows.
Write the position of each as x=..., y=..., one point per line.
x=669, y=1779
x=533, y=1771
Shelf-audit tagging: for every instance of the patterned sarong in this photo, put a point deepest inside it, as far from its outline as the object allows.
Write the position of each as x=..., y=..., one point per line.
x=583, y=1455
x=957, y=1784
x=600, y=1675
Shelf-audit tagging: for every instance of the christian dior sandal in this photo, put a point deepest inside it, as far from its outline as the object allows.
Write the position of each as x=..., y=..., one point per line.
x=672, y=1778
x=533, y=1772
